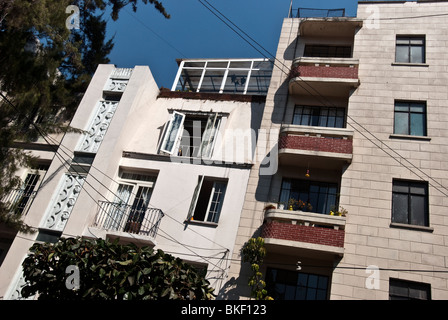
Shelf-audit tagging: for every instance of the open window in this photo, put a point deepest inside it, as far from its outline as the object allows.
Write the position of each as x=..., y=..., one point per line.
x=208, y=199
x=191, y=134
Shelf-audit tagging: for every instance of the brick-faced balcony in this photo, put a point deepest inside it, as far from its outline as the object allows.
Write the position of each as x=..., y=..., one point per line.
x=320, y=147
x=304, y=233
x=323, y=76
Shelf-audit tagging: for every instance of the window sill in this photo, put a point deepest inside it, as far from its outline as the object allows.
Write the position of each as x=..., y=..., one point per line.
x=202, y=223
x=409, y=137
x=411, y=227
x=410, y=64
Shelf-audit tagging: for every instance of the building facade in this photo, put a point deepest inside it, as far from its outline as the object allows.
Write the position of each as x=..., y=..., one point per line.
x=163, y=168
x=360, y=106
x=335, y=155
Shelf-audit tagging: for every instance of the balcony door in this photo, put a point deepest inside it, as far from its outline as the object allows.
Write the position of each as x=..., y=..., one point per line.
x=127, y=211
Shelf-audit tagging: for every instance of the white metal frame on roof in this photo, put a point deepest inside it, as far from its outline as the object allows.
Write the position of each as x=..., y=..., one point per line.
x=226, y=70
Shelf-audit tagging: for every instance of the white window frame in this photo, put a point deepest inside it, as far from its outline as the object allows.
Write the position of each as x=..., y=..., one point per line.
x=209, y=136
x=196, y=194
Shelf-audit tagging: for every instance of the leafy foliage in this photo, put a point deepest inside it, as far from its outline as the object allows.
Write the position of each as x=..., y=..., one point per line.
x=254, y=252
x=45, y=68
x=110, y=271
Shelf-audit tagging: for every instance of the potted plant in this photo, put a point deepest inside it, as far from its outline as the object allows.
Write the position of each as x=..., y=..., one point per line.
x=338, y=211
x=269, y=207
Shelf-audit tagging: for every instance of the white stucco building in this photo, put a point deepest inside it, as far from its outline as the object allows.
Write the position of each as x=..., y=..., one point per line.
x=165, y=168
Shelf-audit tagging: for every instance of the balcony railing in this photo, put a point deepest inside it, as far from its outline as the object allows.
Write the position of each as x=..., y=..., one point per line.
x=315, y=13
x=140, y=220
x=18, y=200
x=304, y=230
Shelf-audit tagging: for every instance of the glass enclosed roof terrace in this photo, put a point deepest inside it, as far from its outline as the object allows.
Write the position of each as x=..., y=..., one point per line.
x=231, y=76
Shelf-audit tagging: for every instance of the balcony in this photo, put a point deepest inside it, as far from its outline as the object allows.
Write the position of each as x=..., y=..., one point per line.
x=329, y=148
x=304, y=233
x=334, y=77
x=115, y=220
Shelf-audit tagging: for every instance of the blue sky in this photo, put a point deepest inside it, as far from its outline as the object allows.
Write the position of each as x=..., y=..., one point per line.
x=147, y=38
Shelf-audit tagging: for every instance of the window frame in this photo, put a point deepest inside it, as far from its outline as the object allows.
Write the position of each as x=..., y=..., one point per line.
x=317, y=111
x=409, y=113
x=409, y=45
x=207, y=219
x=398, y=183
x=208, y=138
x=409, y=285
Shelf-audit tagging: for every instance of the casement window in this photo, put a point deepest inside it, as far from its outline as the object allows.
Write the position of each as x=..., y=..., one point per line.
x=410, y=203
x=293, y=285
x=208, y=199
x=319, y=116
x=191, y=135
x=410, y=118
x=410, y=49
x=327, y=51
x=319, y=197
x=408, y=290
x=131, y=201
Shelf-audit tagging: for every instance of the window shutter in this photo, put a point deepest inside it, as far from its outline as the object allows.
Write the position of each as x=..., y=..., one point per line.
x=194, y=200
x=173, y=132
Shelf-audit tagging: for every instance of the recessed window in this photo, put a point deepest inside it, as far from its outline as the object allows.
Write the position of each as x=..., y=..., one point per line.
x=293, y=285
x=408, y=290
x=319, y=197
x=326, y=51
x=191, y=135
x=208, y=199
x=410, y=49
x=410, y=203
x=410, y=118
x=319, y=116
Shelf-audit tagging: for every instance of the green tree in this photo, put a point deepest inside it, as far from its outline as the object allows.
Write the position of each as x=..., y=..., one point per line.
x=110, y=271
x=45, y=68
x=254, y=252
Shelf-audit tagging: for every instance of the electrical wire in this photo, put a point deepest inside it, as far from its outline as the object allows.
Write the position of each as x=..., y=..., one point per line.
x=332, y=105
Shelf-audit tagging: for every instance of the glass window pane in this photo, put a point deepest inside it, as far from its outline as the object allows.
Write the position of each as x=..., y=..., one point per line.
x=331, y=118
x=401, y=123
x=240, y=64
x=402, y=106
x=323, y=117
x=403, y=40
x=235, y=82
x=259, y=81
x=417, y=54
x=312, y=281
x=212, y=81
x=415, y=107
x=418, y=214
x=399, y=208
x=297, y=115
x=402, y=54
x=418, y=124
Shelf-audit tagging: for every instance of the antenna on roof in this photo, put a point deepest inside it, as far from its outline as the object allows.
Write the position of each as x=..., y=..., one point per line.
x=290, y=10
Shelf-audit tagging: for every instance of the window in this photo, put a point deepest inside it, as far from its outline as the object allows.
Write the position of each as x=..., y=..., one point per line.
x=408, y=290
x=410, y=49
x=410, y=203
x=326, y=51
x=239, y=76
x=319, y=116
x=131, y=201
x=207, y=200
x=292, y=285
x=191, y=135
x=410, y=118
x=319, y=197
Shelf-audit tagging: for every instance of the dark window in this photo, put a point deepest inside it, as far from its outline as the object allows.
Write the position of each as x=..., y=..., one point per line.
x=319, y=197
x=325, y=51
x=408, y=290
x=292, y=285
x=194, y=127
x=410, y=49
x=410, y=118
x=410, y=203
x=208, y=199
x=319, y=116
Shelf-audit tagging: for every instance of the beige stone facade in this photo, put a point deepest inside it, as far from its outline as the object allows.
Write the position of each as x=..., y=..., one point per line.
x=376, y=249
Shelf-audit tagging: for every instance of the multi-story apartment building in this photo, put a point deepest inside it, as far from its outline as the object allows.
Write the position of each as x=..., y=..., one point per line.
x=360, y=104
x=164, y=168
x=335, y=156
